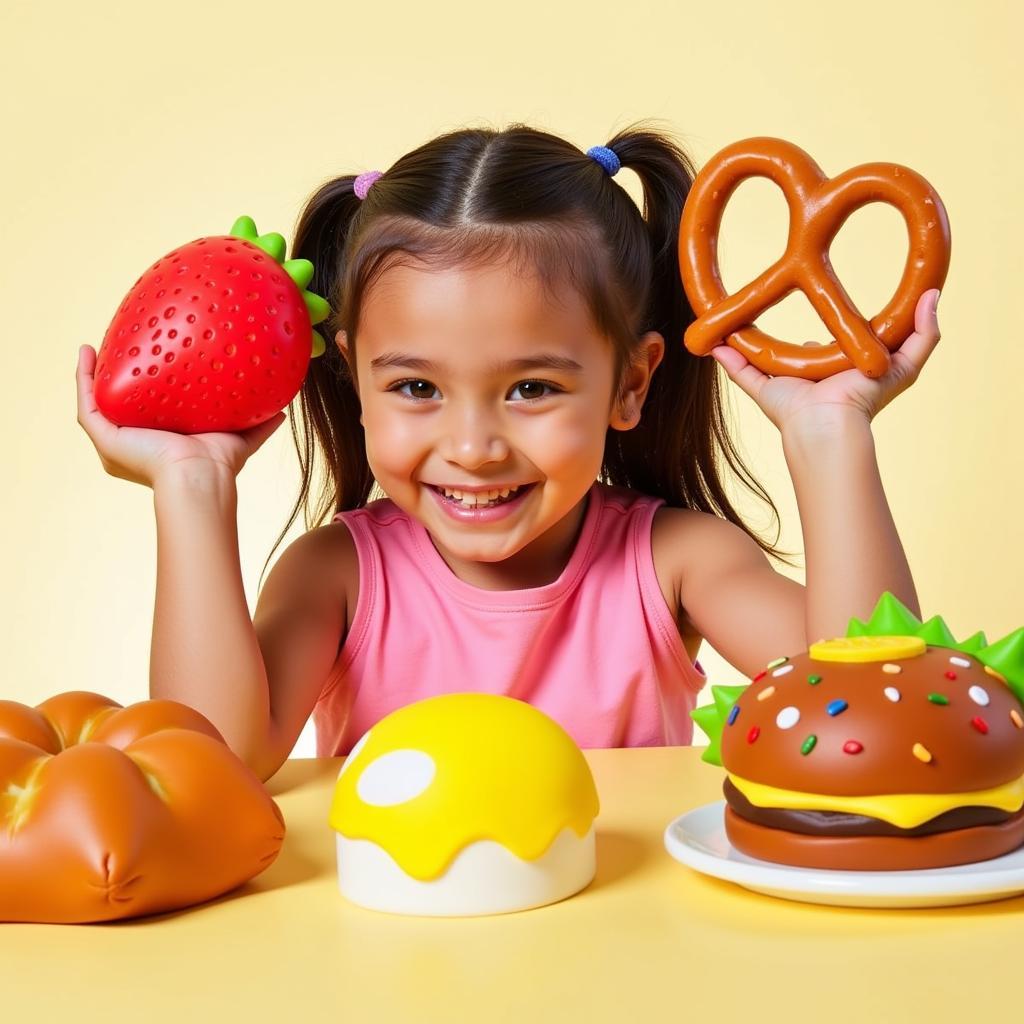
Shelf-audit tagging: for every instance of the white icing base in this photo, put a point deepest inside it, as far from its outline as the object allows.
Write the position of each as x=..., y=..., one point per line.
x=485, y=878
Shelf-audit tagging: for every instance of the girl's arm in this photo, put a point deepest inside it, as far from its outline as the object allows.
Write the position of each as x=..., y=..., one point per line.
x=852, y=550
x=257, y=682
x=257, y=685
x=727, y=587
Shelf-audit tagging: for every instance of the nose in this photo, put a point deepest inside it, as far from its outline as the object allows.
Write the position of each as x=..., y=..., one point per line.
x=473, y=437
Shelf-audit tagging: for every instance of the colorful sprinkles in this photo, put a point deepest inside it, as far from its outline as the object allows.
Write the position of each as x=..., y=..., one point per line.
x=979, y=695
x=922, y=753
x=887, y=635
x=787, y=717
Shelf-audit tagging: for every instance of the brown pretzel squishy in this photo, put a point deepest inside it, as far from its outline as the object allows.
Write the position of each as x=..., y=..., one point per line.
x=818, y=207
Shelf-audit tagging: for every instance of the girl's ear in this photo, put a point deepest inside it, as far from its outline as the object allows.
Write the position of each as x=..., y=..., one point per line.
x=341, y=340
x=648, y=354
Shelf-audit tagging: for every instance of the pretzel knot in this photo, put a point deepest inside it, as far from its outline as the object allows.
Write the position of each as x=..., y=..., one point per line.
x=818, y=208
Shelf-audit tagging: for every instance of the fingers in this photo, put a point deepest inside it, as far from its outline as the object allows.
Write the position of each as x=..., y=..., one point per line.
x=84, y=379
x=745, y=375
x=92, y=421
x=920, y=345
x=255, y=436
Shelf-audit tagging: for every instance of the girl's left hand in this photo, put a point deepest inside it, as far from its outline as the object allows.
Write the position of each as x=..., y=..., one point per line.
x=787, y=401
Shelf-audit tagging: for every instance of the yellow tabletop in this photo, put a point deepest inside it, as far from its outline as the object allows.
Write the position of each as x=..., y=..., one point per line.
x=648, y=940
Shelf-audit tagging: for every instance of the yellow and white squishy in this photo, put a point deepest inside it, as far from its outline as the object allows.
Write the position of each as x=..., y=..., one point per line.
x=464, y=804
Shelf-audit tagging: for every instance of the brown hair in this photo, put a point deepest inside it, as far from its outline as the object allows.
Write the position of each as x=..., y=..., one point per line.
x=475, y=195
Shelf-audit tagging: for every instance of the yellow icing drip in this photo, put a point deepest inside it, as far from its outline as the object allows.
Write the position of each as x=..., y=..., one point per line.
x=504, y=771
x=860, y=649
x=905, y=810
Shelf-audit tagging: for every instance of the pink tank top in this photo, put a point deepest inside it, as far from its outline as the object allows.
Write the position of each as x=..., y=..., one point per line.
x=597, y=649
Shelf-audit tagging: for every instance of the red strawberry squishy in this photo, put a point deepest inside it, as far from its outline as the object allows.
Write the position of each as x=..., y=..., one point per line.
x=217, y=335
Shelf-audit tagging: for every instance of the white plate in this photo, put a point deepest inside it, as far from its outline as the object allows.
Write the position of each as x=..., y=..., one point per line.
x=698, y=840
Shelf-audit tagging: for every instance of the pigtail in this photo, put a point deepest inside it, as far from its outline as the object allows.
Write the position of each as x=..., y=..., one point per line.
x=328, y=404
x=677, y=450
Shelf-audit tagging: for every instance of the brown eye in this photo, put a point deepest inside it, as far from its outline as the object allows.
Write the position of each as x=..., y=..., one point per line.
x=421, y=389
x=534, y=389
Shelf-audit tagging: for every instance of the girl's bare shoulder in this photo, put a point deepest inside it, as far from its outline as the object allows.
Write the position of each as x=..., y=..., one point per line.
x=333, y=554
x=679, y=538
x=726, y=589
x=689, y=547
x=318, y=570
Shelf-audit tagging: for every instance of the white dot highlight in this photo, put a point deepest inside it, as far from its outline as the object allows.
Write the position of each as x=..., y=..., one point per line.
x=978, y=695
x=891, y=693
x=783, y=671
x=396, y=777
x=961, y=662
x=787, y=717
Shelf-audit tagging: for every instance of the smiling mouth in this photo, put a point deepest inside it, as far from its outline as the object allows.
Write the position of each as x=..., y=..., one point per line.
x=483, y=499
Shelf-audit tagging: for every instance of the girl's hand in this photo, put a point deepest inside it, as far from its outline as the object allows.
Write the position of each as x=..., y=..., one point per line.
x=141, y=455
x=787, y=401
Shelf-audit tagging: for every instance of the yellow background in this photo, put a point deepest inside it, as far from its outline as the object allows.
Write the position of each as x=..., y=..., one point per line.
x=131, y=128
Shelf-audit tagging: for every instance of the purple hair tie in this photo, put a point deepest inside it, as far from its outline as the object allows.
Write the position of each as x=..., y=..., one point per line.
x=363, y=182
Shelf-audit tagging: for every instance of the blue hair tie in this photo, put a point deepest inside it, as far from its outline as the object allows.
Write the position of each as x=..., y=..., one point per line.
x=606, y=157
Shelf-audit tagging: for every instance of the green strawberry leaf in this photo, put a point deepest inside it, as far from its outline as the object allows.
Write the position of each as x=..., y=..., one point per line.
x=300, y=271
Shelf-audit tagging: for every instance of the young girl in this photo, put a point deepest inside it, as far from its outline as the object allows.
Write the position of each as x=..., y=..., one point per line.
x=508, y=367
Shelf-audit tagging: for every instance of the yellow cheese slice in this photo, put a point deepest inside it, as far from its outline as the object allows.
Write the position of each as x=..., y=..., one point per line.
x=905, y=810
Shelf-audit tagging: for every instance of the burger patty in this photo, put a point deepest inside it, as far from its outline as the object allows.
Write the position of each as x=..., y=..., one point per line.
x=837, y=823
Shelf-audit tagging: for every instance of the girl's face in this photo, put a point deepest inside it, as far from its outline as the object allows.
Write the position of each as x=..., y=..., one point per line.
x=475, y=378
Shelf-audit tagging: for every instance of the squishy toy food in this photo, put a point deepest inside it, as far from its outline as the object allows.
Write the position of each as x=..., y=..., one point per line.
x=892, y=748
x=818, y=207
x=464, y=804
x=216, y=335
x=109, y=812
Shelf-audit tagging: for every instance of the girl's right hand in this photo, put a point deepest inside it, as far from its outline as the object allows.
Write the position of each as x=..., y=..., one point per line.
x=142, y=455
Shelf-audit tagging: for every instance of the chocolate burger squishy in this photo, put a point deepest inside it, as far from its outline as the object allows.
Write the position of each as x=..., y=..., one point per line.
x=893, y=748
x=464, y=804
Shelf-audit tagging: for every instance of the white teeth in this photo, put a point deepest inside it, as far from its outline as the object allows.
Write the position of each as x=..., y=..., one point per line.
x=472, y=500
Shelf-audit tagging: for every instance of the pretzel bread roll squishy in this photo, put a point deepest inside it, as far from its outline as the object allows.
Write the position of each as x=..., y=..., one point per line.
x=818, y=207
x=881, y=751
x=109, y=812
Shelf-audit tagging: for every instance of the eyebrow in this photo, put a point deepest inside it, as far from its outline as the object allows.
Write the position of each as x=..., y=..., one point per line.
x=544, y=360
